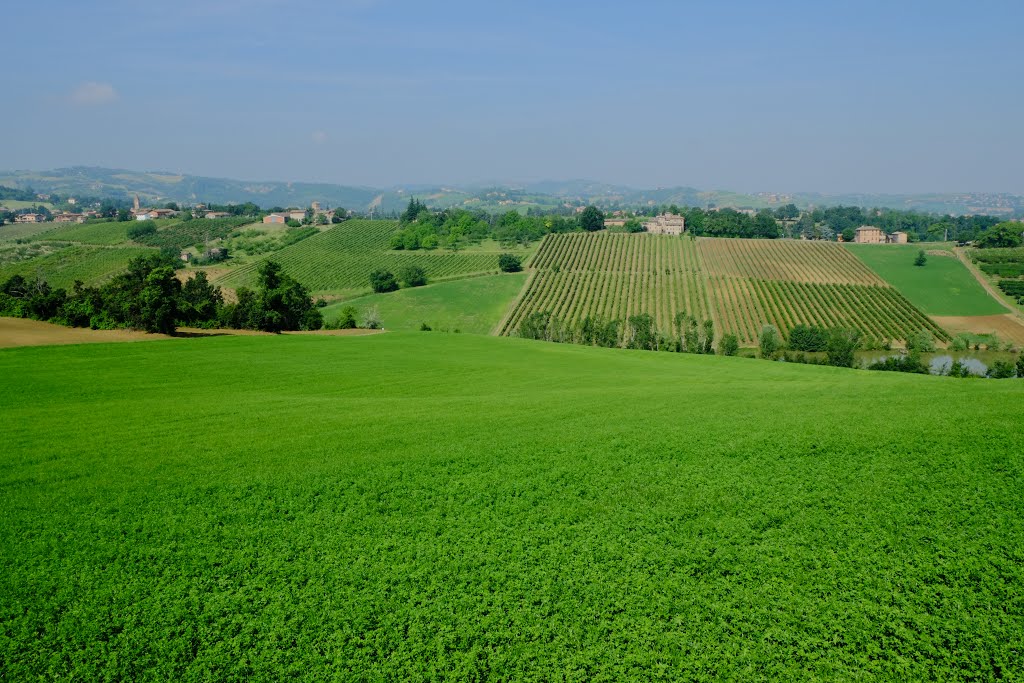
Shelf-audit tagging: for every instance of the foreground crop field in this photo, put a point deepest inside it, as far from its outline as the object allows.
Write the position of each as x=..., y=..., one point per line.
x=340, y=260
x=739, y=284
x=428, y=506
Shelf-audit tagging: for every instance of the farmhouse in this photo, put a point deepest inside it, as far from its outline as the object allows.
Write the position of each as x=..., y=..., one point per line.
x=897, y=238
x=279, y=218
x=216, y=214
x=666, y=224
x=29, y=218
x=69, y=218
x=869, y=234
x=297, y=215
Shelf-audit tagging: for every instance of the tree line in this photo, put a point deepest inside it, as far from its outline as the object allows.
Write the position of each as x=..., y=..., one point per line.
x=150, y=297
x=835, y=346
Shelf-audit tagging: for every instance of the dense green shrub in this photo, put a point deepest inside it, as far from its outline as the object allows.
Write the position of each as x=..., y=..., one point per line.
x=510, y=263
x=412, y=276
x=808, y=338
x=842, y=345
x=383, y=281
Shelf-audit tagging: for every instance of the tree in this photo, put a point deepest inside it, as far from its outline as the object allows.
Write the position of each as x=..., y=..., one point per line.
x=158, y=301
x=510, y=263
x=591, y=219
x=1020, y=365
x=842, y=344
x=124, y=215
x=765, y=225
x=283, y=303
x=383, y=281
x=1001, y=235
x=412, y=276
x=849, y=234
x=347, y=318
x=787, y=212
x=1001, y=369
x=200, y=301
x=728, y=345
x=807, y=338
x=921, y=342
x=339, y=215
x=372, y=320
x=921, y=258
x=642, y=332
x=412, y=211
x=707, y=337
x=769, y=341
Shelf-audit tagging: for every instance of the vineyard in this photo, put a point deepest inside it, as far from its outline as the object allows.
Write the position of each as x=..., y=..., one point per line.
x=182, y=234
x=91, y=265
x=105, y=233
x=341, y=259
x=741, y=285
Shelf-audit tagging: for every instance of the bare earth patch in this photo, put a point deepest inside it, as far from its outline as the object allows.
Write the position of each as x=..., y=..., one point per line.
x=1008, y=327
x=22, y=332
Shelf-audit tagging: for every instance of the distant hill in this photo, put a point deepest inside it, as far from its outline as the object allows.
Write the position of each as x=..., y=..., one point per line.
x=160, y=187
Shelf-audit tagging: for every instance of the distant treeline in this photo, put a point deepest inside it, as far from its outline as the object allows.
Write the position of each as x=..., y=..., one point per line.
x=424, y=228
x=17, y=195
x=150, y=297
x=835, y=346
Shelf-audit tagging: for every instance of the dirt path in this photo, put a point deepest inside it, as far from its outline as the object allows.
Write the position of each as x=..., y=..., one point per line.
x=21, y=332
x=983, y=281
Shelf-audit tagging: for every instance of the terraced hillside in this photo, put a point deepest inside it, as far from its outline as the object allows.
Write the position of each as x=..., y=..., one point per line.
x=340, y=260
x=739, y=284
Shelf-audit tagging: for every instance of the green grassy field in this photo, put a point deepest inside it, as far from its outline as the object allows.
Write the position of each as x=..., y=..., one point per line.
x=339, y=261
x=472, y=305
x=426, y=506
x=941, y=287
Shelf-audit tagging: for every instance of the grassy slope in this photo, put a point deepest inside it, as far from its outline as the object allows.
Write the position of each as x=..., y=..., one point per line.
x=402, y=506
x=472, y=305
x=942, y=287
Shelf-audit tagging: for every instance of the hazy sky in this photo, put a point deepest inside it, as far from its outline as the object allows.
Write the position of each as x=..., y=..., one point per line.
x=896, y=96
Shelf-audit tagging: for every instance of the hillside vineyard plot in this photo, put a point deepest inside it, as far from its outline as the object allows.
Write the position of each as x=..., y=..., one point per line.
x=739, y=284
x=343, y=257
x=91, y=265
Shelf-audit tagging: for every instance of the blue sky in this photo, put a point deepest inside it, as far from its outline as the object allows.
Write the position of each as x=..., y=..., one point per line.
x=751, y=96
